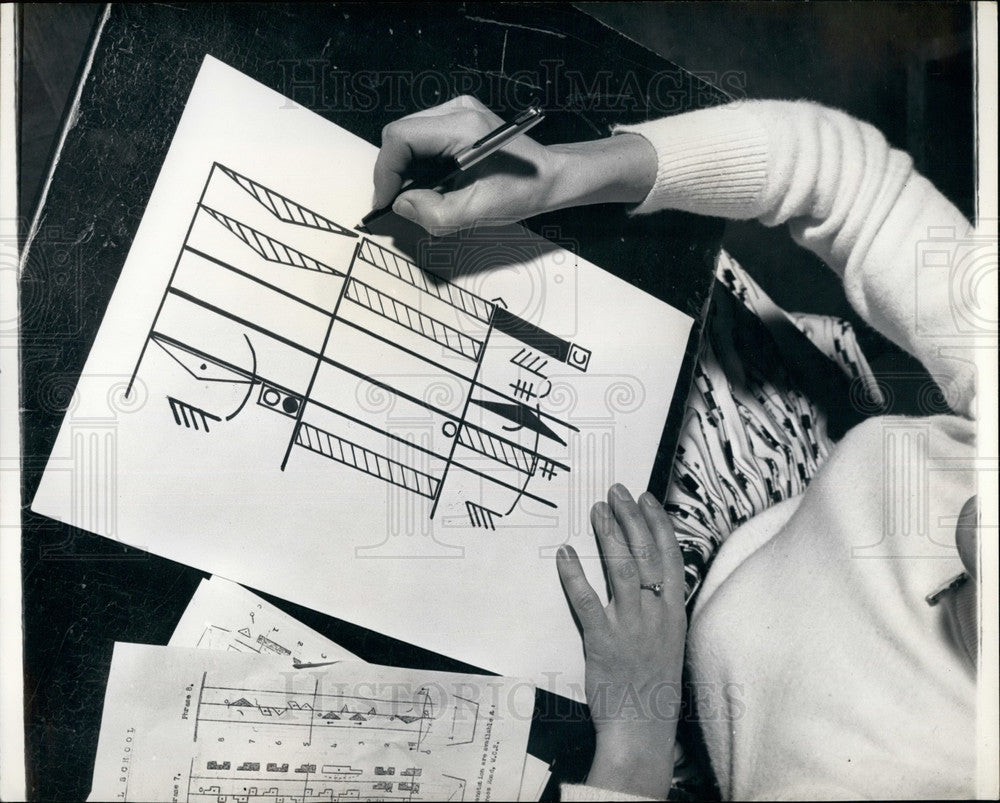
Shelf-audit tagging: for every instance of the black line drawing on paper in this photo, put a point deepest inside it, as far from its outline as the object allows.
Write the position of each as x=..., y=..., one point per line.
x=187, y=415
x=269, y=248
x=327, y=783
x=273, y=308
x=425, y=723
x=284, y=208
x=480, y=516
x=241, y=726
x=316, y=783
x=260, y=638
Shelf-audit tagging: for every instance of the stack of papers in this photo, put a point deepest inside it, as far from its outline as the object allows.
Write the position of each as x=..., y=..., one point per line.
x=247, y=704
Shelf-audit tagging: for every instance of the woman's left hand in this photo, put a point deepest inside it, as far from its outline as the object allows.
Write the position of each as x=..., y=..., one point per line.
x=635, y=645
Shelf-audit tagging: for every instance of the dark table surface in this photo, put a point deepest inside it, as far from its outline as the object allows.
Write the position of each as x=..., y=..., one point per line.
x=361, y=67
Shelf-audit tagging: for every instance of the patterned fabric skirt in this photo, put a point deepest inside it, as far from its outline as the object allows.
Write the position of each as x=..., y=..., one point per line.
x=754, y=434
x=751, y=436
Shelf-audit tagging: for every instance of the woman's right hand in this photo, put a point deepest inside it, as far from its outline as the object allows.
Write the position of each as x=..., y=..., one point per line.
x=507, y=187
x=522, y=180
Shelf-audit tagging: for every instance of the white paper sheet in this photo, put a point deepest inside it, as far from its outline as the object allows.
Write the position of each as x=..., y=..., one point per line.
x=204, y=725
x=276, y=400
x=535, y=778
x=223, y=615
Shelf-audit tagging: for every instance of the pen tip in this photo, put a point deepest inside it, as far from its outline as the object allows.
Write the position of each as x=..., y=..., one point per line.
x=362, y=228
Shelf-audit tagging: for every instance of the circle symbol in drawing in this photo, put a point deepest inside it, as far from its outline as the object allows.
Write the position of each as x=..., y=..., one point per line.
x=271, y=397
x=290, y=405
x=449, y=429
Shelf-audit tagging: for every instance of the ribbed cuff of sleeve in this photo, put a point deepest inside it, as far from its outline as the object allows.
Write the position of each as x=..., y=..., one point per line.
x=580, y=793
x=710, y=161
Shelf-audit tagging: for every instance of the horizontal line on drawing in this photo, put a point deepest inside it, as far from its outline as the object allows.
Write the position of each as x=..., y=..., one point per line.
x=435, y=454
x=285, y=693
x=359, y=374
x=404, y=349
x=205, y=355
x=251, y=277
x=312, y=353
x=321, y=710
x=346, y=723
x=242, y=321
x=297, y=779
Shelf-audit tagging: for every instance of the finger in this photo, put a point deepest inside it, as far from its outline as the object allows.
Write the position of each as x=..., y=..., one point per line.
x=439, y=214
x=459, y=102
x=444, y=213
x=622, y=572
x=403, y=141
x=671, y=557
x=417, y=137
x=583, y=599
x=645, y=551
x=967, y=536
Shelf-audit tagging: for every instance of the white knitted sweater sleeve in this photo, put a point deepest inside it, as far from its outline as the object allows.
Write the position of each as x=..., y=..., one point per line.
x=846, y=195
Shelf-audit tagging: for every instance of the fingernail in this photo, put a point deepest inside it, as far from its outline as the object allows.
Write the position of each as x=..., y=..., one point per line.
x=562, y=553
x=621, y=492
x=404, y=208
x=648, y=499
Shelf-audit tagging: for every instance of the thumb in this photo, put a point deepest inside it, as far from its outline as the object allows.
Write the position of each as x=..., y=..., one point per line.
x=438, y=214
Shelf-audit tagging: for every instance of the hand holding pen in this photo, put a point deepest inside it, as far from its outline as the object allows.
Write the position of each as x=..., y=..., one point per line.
x=451, y=167
x=518, y=180
x=485, y=167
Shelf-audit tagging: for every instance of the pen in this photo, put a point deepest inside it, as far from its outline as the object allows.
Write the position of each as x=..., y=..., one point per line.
x=464, y=159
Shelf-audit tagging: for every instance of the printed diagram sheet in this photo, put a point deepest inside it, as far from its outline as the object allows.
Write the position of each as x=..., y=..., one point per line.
x=279, y=399
x=199, y=725
x=223, y=615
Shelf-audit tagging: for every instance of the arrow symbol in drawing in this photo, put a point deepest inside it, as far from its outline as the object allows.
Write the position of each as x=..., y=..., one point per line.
x=498, y=300
x=521, y=415
x=199, y=364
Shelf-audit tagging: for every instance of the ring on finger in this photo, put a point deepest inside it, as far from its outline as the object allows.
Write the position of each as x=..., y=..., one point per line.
x=656, y=588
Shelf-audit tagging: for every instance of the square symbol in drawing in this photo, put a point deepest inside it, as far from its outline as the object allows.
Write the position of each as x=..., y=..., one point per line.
x=579, y=357
x=279, y=401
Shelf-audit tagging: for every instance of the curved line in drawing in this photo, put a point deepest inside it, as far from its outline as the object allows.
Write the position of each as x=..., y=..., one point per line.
x=253, y=379
x=531, y=473
x=199, y=364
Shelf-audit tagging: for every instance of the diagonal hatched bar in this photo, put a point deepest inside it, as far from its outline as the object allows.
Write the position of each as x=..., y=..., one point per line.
x=365, y=460
x=272, y=250
x=510, y=454
x=414, y=320
x=284, y=208
x=407, y=271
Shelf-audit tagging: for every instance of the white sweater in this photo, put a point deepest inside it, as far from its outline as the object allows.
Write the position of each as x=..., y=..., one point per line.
x=823, y=672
